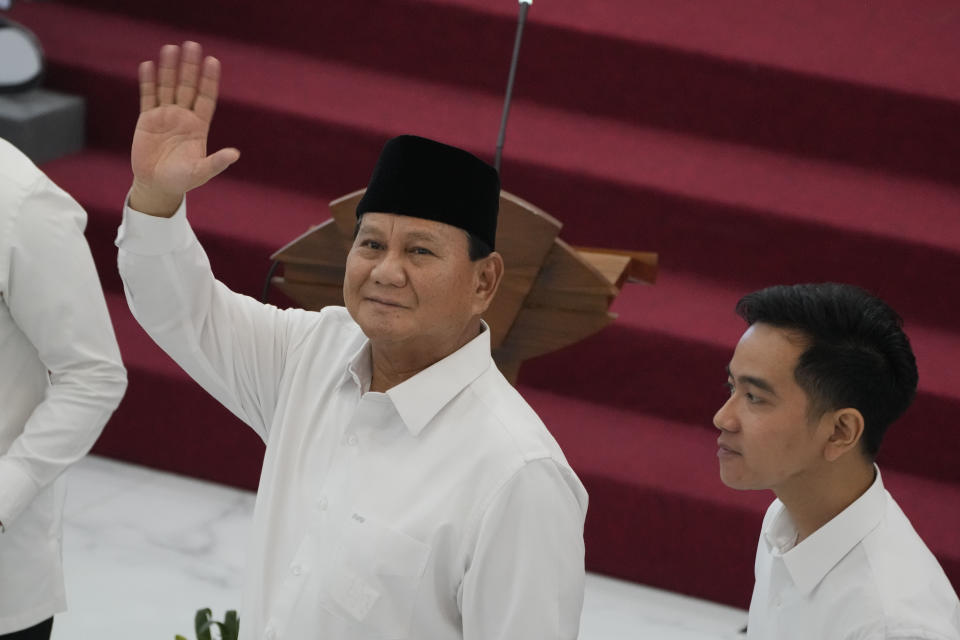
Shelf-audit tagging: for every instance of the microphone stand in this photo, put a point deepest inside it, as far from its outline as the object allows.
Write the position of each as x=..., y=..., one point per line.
x=524, y=8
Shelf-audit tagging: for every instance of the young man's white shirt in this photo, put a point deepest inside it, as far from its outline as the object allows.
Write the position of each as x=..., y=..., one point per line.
x=439, y=509
x=60, y=379
x=865, y=575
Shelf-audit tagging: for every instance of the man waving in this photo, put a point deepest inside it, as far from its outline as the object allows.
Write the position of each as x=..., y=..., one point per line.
x=407, y=491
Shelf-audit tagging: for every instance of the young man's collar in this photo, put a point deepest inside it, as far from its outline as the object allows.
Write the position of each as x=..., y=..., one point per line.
x=810, y=561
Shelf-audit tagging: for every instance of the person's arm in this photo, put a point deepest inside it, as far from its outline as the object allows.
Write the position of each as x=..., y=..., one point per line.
x=55, y=298
x=526, y=576
x=232, y=345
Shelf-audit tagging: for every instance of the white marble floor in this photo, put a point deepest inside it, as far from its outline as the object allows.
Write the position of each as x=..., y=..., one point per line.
x=143, y=550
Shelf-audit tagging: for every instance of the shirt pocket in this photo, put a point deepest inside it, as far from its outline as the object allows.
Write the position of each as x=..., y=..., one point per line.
x=374, y=579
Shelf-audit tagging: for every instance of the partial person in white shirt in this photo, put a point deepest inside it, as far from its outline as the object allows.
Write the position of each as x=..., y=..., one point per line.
x=60, y=380
x=407, y=490
x=815, y=381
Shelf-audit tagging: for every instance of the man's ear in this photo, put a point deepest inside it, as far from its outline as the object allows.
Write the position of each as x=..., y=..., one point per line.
x=847, y=430
x=489, y=275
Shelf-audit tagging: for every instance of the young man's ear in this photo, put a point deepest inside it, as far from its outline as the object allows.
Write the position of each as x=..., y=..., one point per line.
x=847, y=427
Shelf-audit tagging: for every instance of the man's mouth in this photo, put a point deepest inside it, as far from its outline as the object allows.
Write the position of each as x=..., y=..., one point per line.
x=384, y=301
x=723, y=450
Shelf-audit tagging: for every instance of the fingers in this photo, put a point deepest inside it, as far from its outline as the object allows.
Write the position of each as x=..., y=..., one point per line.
x=182, y=77
x=148, y=85
x=208, y=88
x=191, y=55
x=167, y=73
x=215, y=163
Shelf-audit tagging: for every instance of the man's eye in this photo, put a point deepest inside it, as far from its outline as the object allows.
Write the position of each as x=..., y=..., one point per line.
x=730, y=387
x=752, y=399
x=421, y=251
x=371, y=244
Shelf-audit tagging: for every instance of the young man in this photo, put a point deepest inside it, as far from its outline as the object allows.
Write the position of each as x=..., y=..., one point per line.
x=60, y=380
x=407, y=490
x=815, y=381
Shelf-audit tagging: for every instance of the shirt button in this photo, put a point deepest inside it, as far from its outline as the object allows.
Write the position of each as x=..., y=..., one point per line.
x=352, y=441
x=322, y=504
x=296, y=569
x=271, y=633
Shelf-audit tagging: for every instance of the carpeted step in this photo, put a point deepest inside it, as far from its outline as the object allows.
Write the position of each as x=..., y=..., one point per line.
x=697, y=201
x=876, y=45
x=274, y=84
x=861, y=84
x=905, y=46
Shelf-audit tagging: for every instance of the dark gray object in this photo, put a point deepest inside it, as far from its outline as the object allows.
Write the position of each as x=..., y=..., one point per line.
x=43, y=124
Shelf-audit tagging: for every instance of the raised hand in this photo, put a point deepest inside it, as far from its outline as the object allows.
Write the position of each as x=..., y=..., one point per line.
x=169, y=152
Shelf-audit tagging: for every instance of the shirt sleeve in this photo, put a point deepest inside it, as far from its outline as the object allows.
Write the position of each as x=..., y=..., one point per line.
x=232, y=345
x=54, y=297
x=526, y=577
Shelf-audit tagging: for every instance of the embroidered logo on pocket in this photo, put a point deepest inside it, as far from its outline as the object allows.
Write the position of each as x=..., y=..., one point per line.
x=356, y=597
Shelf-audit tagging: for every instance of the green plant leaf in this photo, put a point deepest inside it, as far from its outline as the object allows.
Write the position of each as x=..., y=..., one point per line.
x=231, y=626
x=202, y=622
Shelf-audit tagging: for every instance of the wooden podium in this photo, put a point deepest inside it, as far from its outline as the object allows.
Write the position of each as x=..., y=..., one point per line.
x=552, y=294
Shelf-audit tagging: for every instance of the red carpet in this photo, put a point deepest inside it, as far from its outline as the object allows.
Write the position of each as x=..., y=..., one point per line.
x=749, y=142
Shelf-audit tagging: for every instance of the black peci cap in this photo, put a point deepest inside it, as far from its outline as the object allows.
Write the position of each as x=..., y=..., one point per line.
x=422, y=178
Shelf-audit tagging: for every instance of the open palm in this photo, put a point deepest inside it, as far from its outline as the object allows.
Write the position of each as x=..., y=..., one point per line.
x=169, y=151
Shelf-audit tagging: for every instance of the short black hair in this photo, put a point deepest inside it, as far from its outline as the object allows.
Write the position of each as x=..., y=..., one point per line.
x=857, y=354
x=476, y=247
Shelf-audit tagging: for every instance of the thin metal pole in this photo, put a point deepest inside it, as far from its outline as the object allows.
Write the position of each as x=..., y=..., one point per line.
x=266, y=284
x=524, y=8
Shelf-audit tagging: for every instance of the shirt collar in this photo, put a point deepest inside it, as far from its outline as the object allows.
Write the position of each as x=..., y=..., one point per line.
x=421, y=397
x=810, y=561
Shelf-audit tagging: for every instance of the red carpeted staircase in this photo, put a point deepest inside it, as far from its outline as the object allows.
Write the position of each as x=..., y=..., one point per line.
x=749, y=142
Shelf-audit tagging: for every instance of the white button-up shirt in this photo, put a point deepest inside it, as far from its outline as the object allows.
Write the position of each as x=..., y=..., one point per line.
x=60, y=379
x=865, y=575
x=440, y=509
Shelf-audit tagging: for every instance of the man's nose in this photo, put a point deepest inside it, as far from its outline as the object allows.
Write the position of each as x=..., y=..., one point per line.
x=390, y=269
x=724, y=419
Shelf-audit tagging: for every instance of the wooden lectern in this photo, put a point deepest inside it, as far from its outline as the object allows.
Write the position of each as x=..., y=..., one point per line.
x=552, y=294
